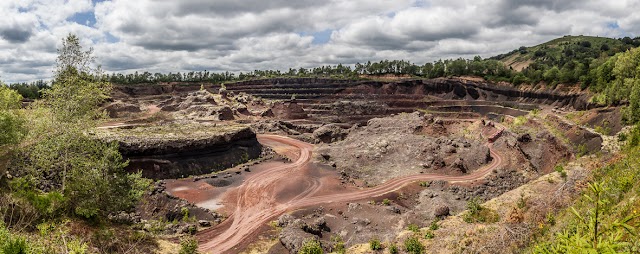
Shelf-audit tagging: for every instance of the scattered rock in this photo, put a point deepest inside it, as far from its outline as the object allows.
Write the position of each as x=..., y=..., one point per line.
x=204, y=223
x=284, y=220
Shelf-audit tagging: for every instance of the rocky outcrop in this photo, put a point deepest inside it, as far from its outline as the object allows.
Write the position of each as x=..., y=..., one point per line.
x=329, y=133
x=296, y=232
x=288, y=110
x=174, y=151
x=121, y=109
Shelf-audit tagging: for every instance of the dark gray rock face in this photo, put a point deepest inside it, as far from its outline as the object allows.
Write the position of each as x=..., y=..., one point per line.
x=167, y=157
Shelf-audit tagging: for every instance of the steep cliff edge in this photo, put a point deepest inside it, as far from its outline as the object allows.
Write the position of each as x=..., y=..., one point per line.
x=180, y=150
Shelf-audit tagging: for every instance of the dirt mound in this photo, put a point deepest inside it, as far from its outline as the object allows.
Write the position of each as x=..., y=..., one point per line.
x=393, y=146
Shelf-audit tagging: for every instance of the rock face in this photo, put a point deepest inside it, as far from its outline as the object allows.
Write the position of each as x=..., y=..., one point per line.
x=121, y=109
x=288, y=110
x=175, y=151
x=329, y=133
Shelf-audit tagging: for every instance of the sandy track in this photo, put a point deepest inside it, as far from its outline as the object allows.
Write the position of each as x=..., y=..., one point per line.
x=256, y=202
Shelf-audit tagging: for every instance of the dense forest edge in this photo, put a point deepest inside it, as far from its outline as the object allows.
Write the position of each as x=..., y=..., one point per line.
x=65, y=185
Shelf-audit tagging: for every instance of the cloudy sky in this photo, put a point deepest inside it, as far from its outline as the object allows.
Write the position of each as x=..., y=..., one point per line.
x=237, y=35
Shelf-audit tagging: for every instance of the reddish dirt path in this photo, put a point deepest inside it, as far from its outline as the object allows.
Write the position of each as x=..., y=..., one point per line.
x=258, y=199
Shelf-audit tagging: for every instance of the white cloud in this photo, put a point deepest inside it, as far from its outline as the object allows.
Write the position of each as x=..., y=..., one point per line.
x=167, y=35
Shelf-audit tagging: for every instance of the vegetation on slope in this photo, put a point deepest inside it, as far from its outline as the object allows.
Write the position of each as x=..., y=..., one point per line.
x=607, y=217
x=52, y=171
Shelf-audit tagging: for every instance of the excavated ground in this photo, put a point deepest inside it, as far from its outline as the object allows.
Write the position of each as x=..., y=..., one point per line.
x=386, y=154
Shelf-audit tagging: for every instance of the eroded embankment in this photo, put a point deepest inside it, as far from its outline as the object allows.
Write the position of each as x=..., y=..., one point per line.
x=174, y=151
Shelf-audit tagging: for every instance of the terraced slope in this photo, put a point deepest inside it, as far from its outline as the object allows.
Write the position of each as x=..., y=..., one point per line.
x=330, y=100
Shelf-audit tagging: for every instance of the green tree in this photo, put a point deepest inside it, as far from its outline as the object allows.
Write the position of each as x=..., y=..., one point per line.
x=78, y=89
x=551, y=75
x=11, y=121
x=88, y=172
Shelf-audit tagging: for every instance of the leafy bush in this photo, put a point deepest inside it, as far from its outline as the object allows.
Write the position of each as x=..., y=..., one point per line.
x=429, y=235
x=393, y=248
x=386, y=201
x=188, y=245
x=414, y=246
x=374, y=244
x=434, y=224
x=581, y=150
x=477, y=213
x=311, y=247
x=590, y=232
x=10, y=244
x=338, y=244
x=17, y=245
x=413, y=228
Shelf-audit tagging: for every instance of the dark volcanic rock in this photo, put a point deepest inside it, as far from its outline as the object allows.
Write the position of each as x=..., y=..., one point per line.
x=293, y=236
x=441, y=211
x=197, y=150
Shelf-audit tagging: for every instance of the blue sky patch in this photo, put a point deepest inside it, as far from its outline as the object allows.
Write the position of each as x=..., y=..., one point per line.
x=322, y=37
x=111, y=38
x=84, y=18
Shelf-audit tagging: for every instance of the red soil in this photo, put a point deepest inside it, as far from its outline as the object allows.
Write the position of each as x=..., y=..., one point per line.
x=266, y=194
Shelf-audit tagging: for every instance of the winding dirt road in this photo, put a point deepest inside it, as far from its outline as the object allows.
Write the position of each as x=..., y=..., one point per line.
x=259, y=199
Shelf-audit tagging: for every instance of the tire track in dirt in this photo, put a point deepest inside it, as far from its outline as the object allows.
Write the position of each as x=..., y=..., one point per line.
x=256, y=201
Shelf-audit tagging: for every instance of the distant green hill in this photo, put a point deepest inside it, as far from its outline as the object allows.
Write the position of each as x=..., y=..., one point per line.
x=569, y=60
x=559, y=51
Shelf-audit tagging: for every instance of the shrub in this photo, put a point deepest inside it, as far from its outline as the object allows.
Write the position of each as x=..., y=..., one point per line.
x=434, y=225
x=338, y=244
x=413, y=228
x=386, y=201
x=185, y=213
x=414, y=246
x=311, y=247
x=375, y=244
x=15, y=246
x=477, y=213
x=429, y=235
x=393, y=249
x=188, y=245
x=425, y=184
x=581, y=150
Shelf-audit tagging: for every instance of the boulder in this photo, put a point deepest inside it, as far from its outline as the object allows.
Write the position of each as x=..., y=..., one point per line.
x=441, y=211
x=292, y=237
x=204, y=223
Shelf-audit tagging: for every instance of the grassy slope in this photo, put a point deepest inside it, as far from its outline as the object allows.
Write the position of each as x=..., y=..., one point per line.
x=555, y=48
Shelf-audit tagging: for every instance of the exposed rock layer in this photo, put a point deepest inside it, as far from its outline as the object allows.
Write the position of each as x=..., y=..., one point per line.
x=163, y=152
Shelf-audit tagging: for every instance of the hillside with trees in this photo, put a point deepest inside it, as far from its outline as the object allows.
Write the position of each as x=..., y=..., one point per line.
x=53, y=176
